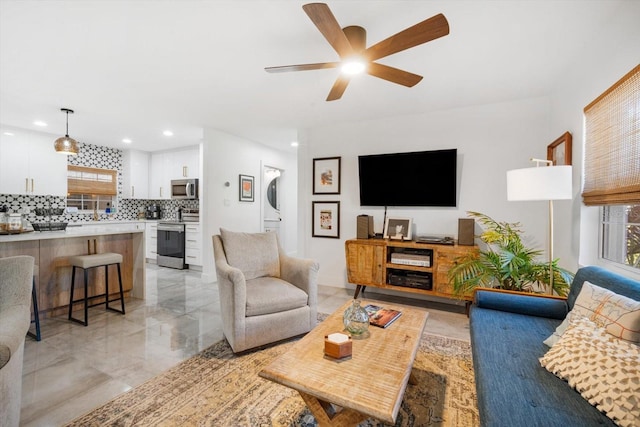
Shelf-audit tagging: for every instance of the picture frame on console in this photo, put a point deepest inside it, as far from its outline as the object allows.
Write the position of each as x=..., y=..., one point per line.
x=326, y=175
x=397, y=228
x=559, y=151
x=325, y=219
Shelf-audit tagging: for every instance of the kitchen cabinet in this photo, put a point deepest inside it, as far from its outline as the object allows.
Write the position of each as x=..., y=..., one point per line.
x=30, y=165
x=168, y=165
x=193, y=244
x=135, y=174
x=151, y=240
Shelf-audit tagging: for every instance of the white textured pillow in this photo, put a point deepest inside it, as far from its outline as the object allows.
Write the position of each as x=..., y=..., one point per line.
x=618, y=314
x=255, y=254
x=605, y=370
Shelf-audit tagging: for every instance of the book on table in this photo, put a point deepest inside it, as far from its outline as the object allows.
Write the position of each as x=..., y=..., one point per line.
x=380, y=316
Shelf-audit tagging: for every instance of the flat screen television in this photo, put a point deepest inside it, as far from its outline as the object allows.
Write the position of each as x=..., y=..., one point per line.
x=420, y=178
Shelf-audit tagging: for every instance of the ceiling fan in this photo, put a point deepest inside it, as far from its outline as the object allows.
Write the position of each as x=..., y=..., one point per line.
x=350, y=44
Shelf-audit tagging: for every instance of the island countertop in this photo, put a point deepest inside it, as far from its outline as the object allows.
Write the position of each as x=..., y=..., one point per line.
x=51, y=251
x=73, y=231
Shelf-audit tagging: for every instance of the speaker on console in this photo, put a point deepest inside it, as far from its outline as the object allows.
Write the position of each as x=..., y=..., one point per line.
x=365, y=227
x=466, y=231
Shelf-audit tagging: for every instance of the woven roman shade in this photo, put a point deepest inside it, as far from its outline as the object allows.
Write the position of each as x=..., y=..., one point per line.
x=84, y=180
x=612, y=145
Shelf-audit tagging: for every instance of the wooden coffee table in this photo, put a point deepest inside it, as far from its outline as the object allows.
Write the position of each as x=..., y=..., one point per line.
x=369, y=384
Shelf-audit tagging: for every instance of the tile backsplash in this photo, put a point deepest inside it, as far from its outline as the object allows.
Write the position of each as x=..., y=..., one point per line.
x=96, y=157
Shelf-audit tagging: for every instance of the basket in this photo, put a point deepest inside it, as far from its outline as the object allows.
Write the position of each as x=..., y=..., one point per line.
x=49, y=226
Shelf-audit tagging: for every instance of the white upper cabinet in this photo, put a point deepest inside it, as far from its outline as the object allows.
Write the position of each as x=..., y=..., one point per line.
x=30, y=165
x=168, y=165
x=135, y=174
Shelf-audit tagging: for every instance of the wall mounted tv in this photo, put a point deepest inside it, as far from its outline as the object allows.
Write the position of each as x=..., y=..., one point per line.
x=420, y=178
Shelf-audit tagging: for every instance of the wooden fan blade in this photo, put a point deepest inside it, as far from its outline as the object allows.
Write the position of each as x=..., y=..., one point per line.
x=427, y=30
x=394, y=75
x=338, y=88
x=301, y=67
x=322, y=17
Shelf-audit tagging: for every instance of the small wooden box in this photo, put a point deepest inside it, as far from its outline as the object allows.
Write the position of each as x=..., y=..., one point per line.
x=337, y=350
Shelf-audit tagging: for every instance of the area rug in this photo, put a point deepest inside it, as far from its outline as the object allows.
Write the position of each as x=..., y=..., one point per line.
x=218, y=388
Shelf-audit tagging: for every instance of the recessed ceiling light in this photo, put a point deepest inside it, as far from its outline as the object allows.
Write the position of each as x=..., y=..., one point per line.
x=126, y=140
x=167, y=133
x=40, y=123
x=294, y=144
x=9, y=133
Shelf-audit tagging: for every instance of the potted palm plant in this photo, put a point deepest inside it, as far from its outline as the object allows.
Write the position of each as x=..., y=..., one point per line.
x=506, y=263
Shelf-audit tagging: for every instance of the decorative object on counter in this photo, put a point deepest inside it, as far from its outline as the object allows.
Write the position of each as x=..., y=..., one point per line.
x=14, y=223
x=356, y=320
x=541, y=183
x=66, y=145
x=49, y=226
x=506, y=263
x=338, y=345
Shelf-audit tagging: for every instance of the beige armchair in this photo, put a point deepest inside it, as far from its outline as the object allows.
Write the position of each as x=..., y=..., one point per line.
x=16, y=279
x=265, y=295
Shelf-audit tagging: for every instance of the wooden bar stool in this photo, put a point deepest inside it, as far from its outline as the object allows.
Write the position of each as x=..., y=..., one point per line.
x=90, y=261
x=36, y=314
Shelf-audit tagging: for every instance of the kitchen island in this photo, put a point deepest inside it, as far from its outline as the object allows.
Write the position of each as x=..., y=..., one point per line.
x=51, y=250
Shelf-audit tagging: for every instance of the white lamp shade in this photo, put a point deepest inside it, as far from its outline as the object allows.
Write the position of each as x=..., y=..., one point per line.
x=540, y=183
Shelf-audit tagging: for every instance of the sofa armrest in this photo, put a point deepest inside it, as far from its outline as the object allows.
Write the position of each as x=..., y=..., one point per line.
x=302, y=273
x=530, y=304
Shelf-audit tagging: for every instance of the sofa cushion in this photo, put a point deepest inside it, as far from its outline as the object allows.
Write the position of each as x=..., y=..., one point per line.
x=266, y=295
x=512, y=388
x=255, y=254
x=604, y=369
x=619, y=315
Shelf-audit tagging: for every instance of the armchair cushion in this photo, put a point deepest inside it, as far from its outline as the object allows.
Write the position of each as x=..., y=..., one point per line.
x=266, y=295
x=255, y=254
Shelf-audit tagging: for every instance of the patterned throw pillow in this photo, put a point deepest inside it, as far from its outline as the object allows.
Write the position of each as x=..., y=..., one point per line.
x=619, y=315
x=605, y=370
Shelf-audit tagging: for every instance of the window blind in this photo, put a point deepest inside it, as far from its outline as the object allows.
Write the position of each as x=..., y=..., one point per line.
x=612, y=145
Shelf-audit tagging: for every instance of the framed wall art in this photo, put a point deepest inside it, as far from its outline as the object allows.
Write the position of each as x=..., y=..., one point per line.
x=559, y=151
x=326, y=175
x=397, y=229
x=246, y=188
x=326, y=219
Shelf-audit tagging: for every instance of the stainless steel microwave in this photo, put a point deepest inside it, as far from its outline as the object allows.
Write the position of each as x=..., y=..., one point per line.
x=184, y=189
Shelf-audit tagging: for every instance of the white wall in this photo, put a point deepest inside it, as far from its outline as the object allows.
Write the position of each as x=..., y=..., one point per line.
x=225, y=157
x=490, y=139
x=600, y=63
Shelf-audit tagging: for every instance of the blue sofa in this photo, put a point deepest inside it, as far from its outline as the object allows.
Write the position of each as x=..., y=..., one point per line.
x=507, y=334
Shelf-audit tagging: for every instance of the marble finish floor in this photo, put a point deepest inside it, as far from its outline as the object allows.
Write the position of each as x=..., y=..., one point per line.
x=75, y=369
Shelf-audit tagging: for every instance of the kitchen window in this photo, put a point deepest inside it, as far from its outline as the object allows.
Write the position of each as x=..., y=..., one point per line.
x=91, y=189
x=612, y=168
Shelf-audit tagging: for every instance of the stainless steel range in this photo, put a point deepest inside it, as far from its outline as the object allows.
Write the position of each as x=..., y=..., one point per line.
x=171, y=246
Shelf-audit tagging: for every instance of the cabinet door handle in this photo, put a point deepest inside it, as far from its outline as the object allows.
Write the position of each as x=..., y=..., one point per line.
x=160, y=191
x=26, y=185
x=133, y=191
x=32, y=187
x=184, y=171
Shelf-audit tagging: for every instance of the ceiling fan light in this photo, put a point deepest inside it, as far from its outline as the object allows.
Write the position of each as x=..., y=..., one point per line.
x=66, y=145
x=353, y=67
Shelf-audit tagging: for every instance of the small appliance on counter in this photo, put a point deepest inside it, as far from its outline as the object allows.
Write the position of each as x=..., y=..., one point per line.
x=153, y=212
x=189, y=215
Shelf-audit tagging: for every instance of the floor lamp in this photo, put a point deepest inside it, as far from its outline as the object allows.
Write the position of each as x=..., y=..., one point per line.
x=541, y=183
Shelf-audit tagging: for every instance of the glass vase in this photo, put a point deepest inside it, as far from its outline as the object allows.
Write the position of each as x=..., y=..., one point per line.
x=356, y=319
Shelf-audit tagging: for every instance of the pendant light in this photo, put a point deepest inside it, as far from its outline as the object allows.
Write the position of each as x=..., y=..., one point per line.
x=66, y=145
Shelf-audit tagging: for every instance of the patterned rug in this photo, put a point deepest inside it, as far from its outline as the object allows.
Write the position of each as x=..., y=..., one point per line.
x=218, y=388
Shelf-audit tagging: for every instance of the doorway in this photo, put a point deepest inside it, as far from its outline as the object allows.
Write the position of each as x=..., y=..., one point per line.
x=271, y=185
